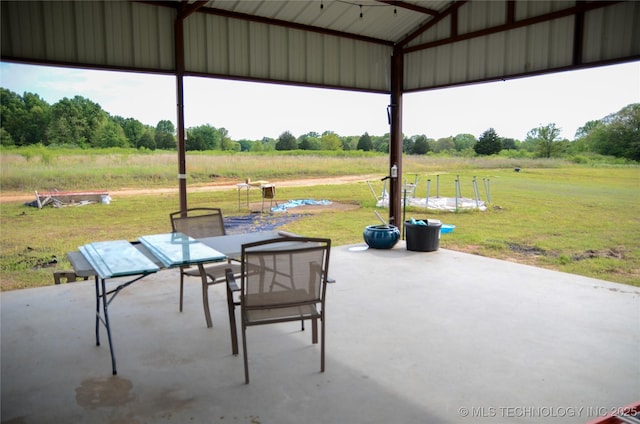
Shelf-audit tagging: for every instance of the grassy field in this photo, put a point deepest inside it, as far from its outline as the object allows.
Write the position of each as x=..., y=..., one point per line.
x=577, y=219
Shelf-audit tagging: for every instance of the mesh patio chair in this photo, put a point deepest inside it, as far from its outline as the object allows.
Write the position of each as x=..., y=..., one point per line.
x=281, y=280
x=200, y=223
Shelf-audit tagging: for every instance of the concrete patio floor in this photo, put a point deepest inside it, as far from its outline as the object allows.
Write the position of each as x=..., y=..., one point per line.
x=412, y=337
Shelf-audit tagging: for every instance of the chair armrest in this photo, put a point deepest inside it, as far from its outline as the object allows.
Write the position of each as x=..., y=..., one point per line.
x=231, y=280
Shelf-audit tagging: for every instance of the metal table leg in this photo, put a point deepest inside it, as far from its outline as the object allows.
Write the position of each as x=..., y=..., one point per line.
x=105, y=310
x=97, y=312
x=107, y=297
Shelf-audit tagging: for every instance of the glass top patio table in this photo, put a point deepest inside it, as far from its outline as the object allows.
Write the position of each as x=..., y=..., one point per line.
x=175, y=249
x=120, y=258
x=231, y=245
x=117, y=258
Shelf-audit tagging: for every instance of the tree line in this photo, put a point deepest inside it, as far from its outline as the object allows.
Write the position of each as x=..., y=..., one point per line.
x=79, y=122
x=75, y=122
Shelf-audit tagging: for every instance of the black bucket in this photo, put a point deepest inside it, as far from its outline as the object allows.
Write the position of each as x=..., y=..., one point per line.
x=423, y=238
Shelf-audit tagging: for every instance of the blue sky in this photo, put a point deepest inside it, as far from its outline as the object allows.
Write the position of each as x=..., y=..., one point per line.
x=252, y=110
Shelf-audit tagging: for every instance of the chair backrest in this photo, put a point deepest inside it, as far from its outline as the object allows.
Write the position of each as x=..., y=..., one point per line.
x=198, y=222
x=284, y=272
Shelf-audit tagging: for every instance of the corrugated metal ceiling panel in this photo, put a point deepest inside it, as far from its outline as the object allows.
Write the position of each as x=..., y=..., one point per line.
x=535, y=48
x=510, y=51
x=232, y=47
x=101, y=34
x=612, y=32
x=152, y=35
x=379, y=20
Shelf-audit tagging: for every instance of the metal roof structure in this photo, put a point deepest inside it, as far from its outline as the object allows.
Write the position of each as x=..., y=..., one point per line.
x=379, y=46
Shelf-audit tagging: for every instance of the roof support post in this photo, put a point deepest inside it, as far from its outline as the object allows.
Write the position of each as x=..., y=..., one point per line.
x=182, y=162
x=578, y=35
x=395, y=142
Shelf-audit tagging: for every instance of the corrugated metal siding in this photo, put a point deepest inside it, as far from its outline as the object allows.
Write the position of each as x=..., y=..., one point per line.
x=103, y=34
x=609, y=33
x=152, y=34
x=240, y=49
x=612, y=32
x=23, y=29
x=535, y=48
x=118, y=17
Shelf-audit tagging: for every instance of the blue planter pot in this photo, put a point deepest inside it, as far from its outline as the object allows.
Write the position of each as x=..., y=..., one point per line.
x=381, y=236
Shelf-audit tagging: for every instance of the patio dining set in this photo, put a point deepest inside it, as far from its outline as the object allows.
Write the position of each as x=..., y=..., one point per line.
x=270, y=276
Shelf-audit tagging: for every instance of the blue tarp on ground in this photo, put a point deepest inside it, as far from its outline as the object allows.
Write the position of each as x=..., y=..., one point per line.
x=266, y=222
x=257, y=222
x=295, y=203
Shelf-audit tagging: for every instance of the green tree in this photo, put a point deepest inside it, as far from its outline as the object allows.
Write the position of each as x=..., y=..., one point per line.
x=349, y=142
x=587, y=128
x=407, y=144
x=225, y=141
x=93, y=115
x=147, y=140
x=547, y=140
x=365, y=143
x=12, y=116
x=233, y=146
x=38, y=112
x=381, y=143
x=165, y=135
x=330, y=141
x=76, y=121
x=257, y=146
x=204, y=137
x=268, y=144
x=617, y=134
x=309, y=141
x=63, y=131
x=509, y=144
x=133, y=130
x=444, y=144
x=245, y=145
x=5, y=138
x=286, y=141
x=24, y=118
x=110, y=135
x=464, y=141
x=489, y=143
x=420, y=145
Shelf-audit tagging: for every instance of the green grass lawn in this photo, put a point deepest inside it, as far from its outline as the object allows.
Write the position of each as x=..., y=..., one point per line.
x=577, y=219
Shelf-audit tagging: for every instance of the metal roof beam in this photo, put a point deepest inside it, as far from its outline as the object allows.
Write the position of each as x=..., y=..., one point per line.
x=186, y=9
x=453, y=7
x=578, y=37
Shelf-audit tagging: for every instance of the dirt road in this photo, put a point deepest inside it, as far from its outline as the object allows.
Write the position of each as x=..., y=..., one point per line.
x=218, y=185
